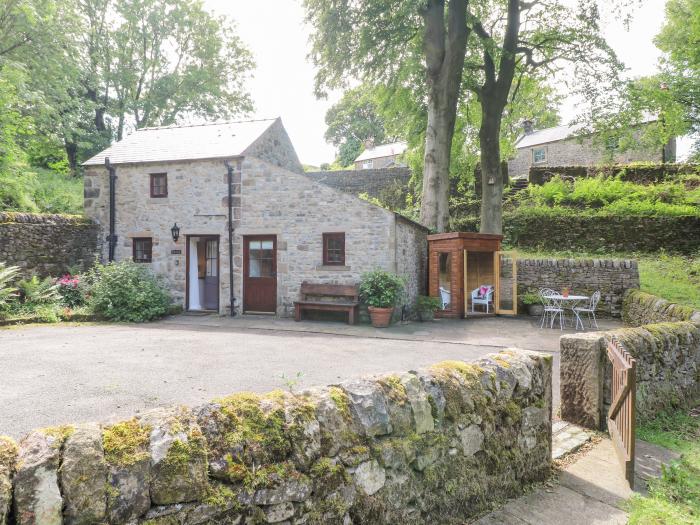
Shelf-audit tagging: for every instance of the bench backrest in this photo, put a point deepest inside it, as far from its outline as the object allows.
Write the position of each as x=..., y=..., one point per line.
x=330, y=290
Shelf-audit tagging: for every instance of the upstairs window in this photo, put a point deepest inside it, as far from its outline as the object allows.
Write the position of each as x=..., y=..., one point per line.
x=539, y=155
x=143, y=249
x=334, y=249
x=159, y=185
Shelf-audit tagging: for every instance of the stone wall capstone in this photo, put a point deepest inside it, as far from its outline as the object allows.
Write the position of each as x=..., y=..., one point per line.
x=639, y=174
x=583, y=277
x=47, y=245
x=639, y=308
x=432, y=446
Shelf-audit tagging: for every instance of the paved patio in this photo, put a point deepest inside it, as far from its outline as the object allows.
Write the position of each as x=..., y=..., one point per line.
x=71, y=373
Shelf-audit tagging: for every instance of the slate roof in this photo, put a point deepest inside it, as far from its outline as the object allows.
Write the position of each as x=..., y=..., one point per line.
x=176, y=143
x=543, y=136
x=383, y=150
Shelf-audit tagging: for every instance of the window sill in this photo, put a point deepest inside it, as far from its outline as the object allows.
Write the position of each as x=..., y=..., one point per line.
x=332, y=268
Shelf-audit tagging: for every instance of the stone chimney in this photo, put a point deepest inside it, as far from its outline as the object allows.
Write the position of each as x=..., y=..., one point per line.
x=369, y=143
x=528, y=127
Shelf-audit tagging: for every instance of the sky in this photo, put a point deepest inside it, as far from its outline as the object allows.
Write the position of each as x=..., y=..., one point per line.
x=275, y=32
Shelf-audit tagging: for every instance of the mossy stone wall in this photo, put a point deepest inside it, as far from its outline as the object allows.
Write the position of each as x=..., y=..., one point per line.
x=47, y=245
x=668, y=371
x=434, y=446
x=639, y=308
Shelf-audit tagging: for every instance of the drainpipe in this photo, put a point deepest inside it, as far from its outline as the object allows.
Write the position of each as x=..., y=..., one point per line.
x=112, y=237
x=232, y=299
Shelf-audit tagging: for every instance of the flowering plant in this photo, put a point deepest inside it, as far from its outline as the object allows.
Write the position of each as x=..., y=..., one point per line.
x=69, y=287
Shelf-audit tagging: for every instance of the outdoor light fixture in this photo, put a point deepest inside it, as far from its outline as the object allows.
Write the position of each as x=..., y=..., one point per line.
x=175, y=230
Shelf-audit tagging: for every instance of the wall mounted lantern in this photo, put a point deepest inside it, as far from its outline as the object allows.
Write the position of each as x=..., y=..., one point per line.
x=175, y=230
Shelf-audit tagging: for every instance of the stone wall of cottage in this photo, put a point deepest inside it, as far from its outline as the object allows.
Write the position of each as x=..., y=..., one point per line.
x=583, y=277
x=578, y=152
x=667, y=374
x=197, y=202
x=267, y=199
x=47, y=245
x=412, y=259
x=275, y=147
x=432, y=446
x=298, y=211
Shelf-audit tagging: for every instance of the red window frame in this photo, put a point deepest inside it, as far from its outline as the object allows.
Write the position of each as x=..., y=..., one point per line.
x=159, y=191
x=327, y=259
x=145, y=248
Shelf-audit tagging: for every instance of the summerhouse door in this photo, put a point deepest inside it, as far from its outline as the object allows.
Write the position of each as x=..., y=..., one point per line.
x=506, y=299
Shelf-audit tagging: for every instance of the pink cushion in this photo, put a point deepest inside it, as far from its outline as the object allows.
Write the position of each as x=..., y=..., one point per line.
x=483, y=290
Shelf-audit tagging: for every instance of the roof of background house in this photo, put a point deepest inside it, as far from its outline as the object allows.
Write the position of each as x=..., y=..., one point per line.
x=383, y=150
x=557, y=133
x=192, y=142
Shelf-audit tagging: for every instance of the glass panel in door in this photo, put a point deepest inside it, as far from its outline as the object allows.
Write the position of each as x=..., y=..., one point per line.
x=507, y=283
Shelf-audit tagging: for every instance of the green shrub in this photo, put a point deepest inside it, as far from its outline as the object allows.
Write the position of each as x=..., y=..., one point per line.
x=426, y=303
x=7, y=290
x=381, y=289
x=71, y=290
x=127, y=291
x=40, y=191
x=36, y=291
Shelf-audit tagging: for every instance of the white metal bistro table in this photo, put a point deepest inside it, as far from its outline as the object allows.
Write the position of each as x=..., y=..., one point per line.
x=571, y=301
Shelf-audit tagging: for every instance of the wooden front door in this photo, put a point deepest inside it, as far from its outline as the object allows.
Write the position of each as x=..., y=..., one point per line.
x=260, y=273
x=211, y=274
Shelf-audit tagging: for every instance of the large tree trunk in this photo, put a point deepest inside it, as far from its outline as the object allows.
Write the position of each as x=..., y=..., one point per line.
x=444, y=57
x=436, y=172
x=72, y=155
x=491, y=176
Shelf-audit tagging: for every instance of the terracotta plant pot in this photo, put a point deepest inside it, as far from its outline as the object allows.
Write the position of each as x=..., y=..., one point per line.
x=381, y=317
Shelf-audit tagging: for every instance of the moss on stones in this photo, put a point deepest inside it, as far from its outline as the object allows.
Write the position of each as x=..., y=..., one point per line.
x=59, y=433
x=223, y=497
x=126, y=443
x=467, y=370
x=341, y=401
x=394, y=390
x=8, y=453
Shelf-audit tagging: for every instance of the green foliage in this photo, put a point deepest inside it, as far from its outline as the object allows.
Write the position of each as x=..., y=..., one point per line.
x=127, y=291
x=675, y=497
x=381, y=289
x=425, y=303
x=609, y=195
x=35, y=291
x=126, y=443
x=530, y=298
x=7, y=290
x=40, y=191
x=352, y=121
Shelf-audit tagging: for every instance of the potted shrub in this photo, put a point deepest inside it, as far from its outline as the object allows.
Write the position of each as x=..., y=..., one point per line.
x=381, y=290
x=426, y=306
x=533, y=303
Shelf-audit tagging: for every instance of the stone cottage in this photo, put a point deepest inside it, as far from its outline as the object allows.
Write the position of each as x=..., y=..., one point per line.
x=170, y=209
x=563, y=146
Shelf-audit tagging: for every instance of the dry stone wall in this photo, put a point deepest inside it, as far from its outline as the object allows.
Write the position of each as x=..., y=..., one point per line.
x=432, y=446
x=373, y=182
x=668, y=371
x=640, y=308
x=583, y=277
x=47, y=245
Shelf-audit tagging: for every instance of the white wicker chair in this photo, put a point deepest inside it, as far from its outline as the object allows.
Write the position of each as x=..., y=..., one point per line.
x=445, y=298
x=552, y=308
x=589, y=310
x=484, y=300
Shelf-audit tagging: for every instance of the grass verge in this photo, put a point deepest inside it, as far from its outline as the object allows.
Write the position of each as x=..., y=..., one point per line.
x=675, y=497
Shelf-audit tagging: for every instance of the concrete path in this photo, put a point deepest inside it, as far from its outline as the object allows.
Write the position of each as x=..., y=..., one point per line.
x=588, y=492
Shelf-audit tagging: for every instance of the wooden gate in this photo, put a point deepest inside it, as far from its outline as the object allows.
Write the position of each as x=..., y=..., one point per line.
x=621, y=416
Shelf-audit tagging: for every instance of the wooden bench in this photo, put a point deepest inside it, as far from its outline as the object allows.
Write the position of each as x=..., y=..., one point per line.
x=348, y=292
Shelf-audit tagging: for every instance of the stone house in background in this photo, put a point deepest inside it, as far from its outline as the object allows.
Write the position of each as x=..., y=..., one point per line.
x=382, y=156
x=287, y=228
x=560, y=146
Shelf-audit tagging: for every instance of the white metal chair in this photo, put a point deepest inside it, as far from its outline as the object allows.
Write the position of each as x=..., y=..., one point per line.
x=445, y=297
x=552, y=308
x=485, y=299
x=589, y=310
